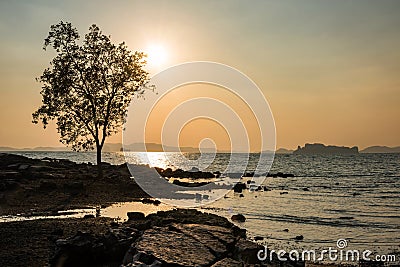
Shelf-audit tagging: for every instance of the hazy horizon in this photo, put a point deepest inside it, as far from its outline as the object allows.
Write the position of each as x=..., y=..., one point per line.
x=111, y=144
x=329, y=69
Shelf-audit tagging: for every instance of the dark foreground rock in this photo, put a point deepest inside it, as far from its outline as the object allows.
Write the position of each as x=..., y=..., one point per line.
x=32, y=243
x=173, y=238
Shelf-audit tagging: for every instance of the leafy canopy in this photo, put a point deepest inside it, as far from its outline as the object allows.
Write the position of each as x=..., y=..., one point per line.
x=88, y=86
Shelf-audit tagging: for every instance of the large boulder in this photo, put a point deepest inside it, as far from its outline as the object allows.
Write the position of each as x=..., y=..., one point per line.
x=238, y=218
x=170, y=247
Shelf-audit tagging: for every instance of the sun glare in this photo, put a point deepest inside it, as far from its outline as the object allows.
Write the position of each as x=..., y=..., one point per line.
x=156, y=55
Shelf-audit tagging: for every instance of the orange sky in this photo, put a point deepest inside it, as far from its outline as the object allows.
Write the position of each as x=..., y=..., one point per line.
x=329, y=69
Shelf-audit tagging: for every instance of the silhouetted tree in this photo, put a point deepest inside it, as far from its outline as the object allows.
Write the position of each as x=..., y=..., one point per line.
x=88, y=86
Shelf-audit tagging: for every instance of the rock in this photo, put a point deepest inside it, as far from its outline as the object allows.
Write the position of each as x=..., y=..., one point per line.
x=151, y=201
x=299, y=237
x=98, y=211
x=47, y=185
x=2, y=198
x=258, y=238
x=238, y=218
x=88, y=216
x=73, y=187
x=57, y=231
x=284, y=193
x=246, y=251
x=189, y=216
x=13, y=166
x=23, y=167
x=239, y=232
x=227, y=262
x=10, y=184
x=346, y=218
x=132, y=215
x=241, y=195
x=170, y=247
x=73, y=251
x=286, y=230
x=306, y=189
x=217, y=239
x=280, y=174
x=238, y=188
x=173, y=238
x=83, y=249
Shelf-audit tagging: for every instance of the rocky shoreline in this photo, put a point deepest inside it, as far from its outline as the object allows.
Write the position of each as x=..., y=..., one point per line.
x=170, y=238
x=179, y=238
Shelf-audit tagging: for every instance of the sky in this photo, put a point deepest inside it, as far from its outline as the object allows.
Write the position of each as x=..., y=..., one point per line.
x=328, y=69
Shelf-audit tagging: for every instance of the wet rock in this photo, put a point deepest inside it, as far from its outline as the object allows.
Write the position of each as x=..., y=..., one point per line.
x=280, y=174
x=299, y=237
x=179, y=173
x=132, y=215
x=238, y=188
x=238, y=218
x=258, y=238
x=151, y=201
x=346, y=218
x=248, y=174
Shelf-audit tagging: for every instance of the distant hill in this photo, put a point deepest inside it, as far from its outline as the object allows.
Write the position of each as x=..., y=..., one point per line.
x=153, y=147
x=39, y=148
x=381, y=149
x=323, y=149
x=284, y=151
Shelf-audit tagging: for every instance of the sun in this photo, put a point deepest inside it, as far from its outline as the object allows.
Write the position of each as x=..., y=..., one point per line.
x=156, y=55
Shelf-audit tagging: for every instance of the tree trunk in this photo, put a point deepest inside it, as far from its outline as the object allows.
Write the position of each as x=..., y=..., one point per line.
x=99, y=167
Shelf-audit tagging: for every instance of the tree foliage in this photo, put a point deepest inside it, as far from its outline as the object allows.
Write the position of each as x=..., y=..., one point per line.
x=88, y=86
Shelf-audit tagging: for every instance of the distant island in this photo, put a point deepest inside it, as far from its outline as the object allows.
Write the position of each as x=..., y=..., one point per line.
x=323, y=149
x=381, y=149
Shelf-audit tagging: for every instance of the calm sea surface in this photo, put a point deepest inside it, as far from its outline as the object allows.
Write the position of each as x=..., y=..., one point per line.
x=353, y=197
